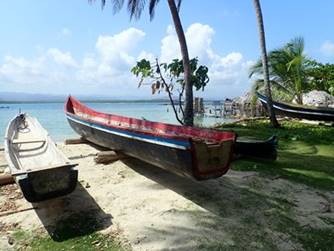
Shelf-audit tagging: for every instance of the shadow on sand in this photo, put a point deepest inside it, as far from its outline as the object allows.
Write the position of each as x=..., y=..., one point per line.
x=74, y=215
x=235, y=211
x=219, y=196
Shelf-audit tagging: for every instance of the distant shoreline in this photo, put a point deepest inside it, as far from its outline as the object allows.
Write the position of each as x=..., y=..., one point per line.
x=85, y=101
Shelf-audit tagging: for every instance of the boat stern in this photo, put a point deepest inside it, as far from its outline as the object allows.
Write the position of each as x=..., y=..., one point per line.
x=46, y=184
x=211, y=160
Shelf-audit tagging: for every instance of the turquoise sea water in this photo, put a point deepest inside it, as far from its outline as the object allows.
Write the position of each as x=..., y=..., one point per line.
x=52, y=117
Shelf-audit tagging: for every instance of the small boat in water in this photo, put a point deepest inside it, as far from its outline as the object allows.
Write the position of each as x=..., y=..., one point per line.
x=194, y=152
x=40, y=169
x=297, y=111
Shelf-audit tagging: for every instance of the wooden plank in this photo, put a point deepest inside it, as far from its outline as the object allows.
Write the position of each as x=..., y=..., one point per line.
x=6, y=179
x=107, y=157
x=75, y=141
x=28, y=141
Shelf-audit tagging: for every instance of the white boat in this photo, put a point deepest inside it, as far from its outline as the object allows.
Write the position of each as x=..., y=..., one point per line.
x=40, y=169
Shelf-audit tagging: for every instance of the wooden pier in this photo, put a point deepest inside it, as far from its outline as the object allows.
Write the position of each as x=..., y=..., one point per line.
x=241, y=107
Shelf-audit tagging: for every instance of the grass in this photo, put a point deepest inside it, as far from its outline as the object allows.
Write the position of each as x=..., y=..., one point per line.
x=305, y=152
x=71, y=233
x=92, y=242
x=305, y=156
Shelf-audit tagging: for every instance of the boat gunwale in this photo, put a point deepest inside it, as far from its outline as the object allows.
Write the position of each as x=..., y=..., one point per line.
x=44, y=168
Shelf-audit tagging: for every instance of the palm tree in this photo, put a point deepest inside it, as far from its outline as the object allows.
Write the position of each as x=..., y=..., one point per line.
x=260, y=25
x=135, y=8
x=288, y=68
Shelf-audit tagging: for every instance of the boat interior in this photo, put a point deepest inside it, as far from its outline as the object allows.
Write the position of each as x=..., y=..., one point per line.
x=30, y=148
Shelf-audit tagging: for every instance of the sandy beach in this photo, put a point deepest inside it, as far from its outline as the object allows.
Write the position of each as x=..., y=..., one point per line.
x=147, y=208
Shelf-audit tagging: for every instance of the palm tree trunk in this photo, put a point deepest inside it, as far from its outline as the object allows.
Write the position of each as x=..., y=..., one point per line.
x=299, y=98
x=188, y=110
x=260, y=25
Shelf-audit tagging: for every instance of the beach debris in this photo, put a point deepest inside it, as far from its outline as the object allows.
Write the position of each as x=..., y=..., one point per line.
x=75, y=141
x=10, y=240
x=107, y=157
x=6, y=179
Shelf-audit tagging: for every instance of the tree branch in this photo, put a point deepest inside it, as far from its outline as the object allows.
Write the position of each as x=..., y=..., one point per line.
x=180, y=100
x=169, y=93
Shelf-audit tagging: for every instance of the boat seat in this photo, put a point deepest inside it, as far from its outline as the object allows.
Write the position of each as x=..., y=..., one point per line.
x=27, y=141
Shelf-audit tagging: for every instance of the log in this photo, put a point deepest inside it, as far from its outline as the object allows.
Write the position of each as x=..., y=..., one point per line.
x=75, y=141
x=107, y=157
x=2, y=149
x=311, y=122
x=6, y=179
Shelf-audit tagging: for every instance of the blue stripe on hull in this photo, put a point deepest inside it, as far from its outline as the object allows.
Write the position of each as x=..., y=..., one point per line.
x=179, y=144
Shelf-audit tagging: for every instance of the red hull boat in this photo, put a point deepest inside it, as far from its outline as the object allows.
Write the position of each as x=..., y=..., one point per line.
x=195, y=152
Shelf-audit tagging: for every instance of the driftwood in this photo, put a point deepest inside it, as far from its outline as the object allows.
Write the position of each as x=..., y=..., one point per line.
x=2, y=149
x=6, y=179
x=107, y=157
x=6, y=213
x=75, y=141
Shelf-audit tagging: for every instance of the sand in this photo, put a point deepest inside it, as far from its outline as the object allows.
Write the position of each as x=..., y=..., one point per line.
x=152, y=209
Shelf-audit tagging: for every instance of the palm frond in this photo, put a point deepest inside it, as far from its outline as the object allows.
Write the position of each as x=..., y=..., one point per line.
x=287, y=68
x=152, y=5
x=117, y=5
x=255, y=69
x=103, y=3
x=297, y=45
x=135, y=8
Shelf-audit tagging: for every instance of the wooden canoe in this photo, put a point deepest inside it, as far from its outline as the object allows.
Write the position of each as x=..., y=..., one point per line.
x=301, y=112
x=194, y=152
x=259, y=149
x=40, y=169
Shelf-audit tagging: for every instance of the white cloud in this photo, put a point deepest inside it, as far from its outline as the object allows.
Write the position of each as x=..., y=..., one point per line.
x=21, y=70
x=147, y=55
x=115, y=52
x=327, y=48
x=110, y=67
x=228, y=73
x=62, y=58
x=124, y=42
x=106, y=69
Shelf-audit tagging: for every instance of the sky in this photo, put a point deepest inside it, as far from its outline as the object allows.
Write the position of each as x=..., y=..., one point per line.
x=73, y=47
